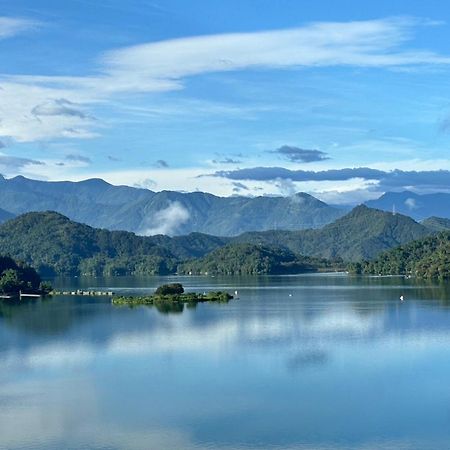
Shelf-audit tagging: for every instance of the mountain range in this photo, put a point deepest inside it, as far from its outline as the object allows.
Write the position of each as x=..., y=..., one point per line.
x=417, y=206
x=99, y=204
x=56, y=245
x=361, y=234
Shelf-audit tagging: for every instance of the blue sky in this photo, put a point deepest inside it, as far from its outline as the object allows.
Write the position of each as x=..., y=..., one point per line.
x=236, y=97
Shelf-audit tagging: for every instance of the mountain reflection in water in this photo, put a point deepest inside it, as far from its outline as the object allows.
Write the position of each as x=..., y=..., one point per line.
x=301, y=362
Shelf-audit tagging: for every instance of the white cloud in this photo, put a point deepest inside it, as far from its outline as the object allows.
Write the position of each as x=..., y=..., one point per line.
x=162, y=66
x=11, y=26
x=411, y=203
x=22, y=118
x=364, y=43
x=166, y=221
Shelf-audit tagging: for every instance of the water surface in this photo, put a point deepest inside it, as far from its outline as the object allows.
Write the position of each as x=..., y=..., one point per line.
x=301, y=362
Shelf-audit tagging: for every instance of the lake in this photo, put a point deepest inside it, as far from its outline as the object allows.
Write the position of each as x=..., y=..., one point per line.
x=297, y=362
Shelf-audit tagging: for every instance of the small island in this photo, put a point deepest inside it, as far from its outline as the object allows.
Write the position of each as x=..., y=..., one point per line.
x=172, y=294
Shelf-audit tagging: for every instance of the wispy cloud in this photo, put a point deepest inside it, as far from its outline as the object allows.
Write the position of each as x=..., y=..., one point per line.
x=42, y=107
x=79, y=158
x=226, y=161
x=146, y=183
x=238, y=187
x=114, y=158
x=383, y=180
x=15, y=163
x=161, y=163
x=444, y=125
x=296, y=154
x=364, y=43
x=11, y=26
x=30, y=112
x=58, y=107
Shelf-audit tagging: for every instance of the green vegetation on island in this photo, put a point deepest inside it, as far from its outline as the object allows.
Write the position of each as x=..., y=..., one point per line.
x=170, y=294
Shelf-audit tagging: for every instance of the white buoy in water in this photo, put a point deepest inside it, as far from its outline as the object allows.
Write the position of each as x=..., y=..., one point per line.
x=401, y=298
x=290, y=295
x=236, y=293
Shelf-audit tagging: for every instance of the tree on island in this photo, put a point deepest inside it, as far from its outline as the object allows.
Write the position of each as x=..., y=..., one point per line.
x=170, y=289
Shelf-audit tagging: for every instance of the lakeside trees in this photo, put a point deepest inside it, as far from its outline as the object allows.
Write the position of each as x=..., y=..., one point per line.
x=15, y=277
x=427, y=258
x=250, y=259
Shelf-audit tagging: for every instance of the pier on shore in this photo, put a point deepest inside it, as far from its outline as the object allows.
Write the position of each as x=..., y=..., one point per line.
x=82, y=292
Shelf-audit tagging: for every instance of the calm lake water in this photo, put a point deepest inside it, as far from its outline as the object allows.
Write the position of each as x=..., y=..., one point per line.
x=303, y=362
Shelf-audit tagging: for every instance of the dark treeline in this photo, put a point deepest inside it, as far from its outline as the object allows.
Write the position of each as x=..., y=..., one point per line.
x=55, y=245
x=427, y=258
x=251, y=259
x=16, y=276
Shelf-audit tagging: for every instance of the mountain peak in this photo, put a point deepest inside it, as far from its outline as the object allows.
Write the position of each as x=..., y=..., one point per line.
x=100, y=204
x=99, y=182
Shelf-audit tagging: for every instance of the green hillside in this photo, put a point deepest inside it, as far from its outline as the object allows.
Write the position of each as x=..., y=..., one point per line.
x=361, y=234
x=250, y=259
x=56, y=245
x=436, y=224
x=424, y=258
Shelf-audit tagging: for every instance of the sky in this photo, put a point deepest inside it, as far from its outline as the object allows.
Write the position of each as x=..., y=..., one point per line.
x=344, y=100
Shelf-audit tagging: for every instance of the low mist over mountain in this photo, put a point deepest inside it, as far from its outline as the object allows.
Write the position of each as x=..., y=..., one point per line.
x=417, y=206
x=100, y=204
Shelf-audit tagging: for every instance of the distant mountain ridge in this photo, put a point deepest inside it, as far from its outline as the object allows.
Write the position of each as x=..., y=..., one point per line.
x=100, y=204
x=417, y=206
x=5, y=215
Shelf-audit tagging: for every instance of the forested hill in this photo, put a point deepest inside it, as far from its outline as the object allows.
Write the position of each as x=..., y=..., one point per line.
x=361, y=234
x=436, y=224
x=424, y=258
x=53, y=244
x=252, y=259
